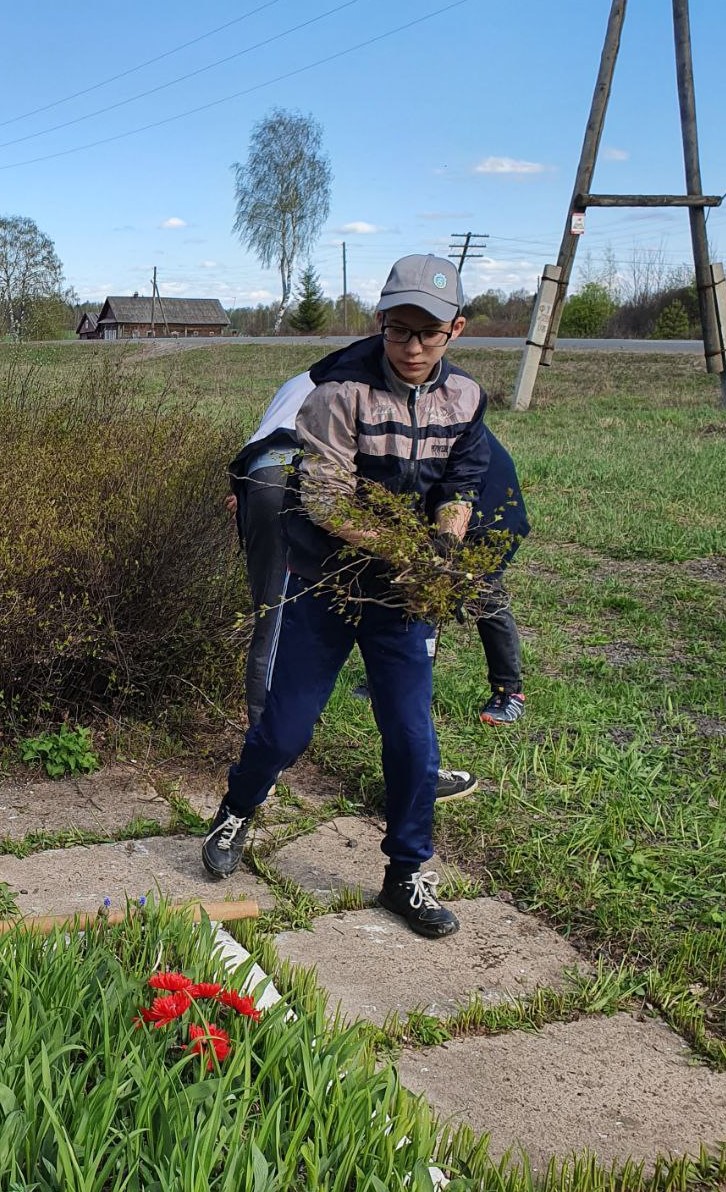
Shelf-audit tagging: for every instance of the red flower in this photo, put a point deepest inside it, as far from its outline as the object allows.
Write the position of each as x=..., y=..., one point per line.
x=174, y=982
x=204, y=989
x=165, y=1009
x=206, y=1036
x=243, y=1005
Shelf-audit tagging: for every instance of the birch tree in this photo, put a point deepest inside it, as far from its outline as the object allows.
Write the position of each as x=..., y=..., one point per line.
x=282, y=193
x=29, y=270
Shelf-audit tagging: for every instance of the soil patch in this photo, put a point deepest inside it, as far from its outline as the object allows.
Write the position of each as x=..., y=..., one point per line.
x=104, y=804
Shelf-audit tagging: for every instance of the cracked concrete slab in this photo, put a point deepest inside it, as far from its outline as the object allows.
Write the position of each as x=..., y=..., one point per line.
x=372, y=963
x=102, y=803
x=78, y=879
x=345, y=852
x=619, y=1087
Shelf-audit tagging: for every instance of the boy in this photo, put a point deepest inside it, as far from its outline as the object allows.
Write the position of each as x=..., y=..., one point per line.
x=378, y=411
x=258, y=476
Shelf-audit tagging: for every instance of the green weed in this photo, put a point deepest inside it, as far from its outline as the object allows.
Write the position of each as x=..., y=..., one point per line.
x=69, y=751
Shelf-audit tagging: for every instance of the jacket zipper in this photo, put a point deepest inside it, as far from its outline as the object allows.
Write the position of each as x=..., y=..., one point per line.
x=412, y=464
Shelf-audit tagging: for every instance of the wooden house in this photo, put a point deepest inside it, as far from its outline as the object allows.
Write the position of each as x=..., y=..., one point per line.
x=88, y=326
x=131, y=318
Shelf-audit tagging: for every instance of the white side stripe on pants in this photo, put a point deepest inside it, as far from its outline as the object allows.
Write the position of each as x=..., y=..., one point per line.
x=276, y=634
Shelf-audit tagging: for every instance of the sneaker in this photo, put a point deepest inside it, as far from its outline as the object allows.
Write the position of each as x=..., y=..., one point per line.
x=502, y=708
x=455, y=784
x=223, y=844
x=361, y=691
x=414, y=899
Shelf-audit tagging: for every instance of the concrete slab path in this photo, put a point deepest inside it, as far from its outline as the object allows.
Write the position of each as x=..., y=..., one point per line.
x=617, y=1087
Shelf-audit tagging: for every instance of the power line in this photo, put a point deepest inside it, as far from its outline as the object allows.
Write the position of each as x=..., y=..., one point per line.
x=133, y=69
x=463, y=250
x=238, y=94
x=181, y=78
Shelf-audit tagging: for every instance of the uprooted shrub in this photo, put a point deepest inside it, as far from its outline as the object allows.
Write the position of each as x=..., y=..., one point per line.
x=118, y=568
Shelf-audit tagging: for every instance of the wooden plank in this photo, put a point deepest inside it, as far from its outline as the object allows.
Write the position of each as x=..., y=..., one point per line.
x=222, y=912
x=588, y=200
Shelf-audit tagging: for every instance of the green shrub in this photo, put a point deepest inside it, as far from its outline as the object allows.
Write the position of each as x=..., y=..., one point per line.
x=118, y=561
x=66, y=752
x=585, y=314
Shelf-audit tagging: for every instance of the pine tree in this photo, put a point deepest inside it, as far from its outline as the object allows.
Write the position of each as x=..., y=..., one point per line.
x=312, y=308
x=672, y=322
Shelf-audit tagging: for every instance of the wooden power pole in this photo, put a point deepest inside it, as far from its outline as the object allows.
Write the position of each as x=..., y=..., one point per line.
x=552, y=292
x=464, y=250
x=345, y=291
x=154, y=295
x=153, y=301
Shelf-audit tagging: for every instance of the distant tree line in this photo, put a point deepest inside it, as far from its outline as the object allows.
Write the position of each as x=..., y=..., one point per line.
x=648, y=300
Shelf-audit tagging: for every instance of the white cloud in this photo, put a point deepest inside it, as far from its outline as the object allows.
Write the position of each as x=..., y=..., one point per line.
x=207, y=264
x=368, y=289
x=173, y=222
x=612, y=154
x=175, y=289
x=258, y=296
x=489, y=273
x=508, y=165
x=360, y=228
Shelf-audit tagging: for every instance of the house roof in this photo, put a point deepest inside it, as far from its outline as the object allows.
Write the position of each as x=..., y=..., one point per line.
x=89, y=318
x=198, y=311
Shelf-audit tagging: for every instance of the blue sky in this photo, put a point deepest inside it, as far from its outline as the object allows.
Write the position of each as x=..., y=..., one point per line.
x=471, y=120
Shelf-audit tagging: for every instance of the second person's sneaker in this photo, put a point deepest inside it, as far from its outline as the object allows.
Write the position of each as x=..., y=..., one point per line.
x=225, y=841
x=413, y=897
x=502, y=708
x=455, y=784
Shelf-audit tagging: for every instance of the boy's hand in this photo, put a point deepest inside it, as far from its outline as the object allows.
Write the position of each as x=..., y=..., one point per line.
x=446, y=545
x=230, y=503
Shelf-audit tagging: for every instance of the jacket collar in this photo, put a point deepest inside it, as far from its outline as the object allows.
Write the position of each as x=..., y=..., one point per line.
x=365, y=361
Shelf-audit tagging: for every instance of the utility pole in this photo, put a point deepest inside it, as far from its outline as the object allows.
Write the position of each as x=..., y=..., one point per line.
x=462, y=251
x=345, y=292
x=552, y=292
x=713, y=344
x=153, y=301
x=555, y=278
x=154, y=295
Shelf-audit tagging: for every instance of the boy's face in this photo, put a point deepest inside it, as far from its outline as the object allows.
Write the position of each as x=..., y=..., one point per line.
x=415, y=361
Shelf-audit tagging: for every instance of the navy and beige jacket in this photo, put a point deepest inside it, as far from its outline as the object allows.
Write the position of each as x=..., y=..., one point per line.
x=362, y=422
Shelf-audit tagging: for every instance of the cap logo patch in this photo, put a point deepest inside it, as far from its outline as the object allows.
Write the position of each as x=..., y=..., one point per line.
x=439, y=281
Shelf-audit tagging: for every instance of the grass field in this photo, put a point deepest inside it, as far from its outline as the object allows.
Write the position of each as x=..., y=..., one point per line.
x=604, y=810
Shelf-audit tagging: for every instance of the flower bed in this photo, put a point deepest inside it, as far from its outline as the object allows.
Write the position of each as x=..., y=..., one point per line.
x=101, y=1092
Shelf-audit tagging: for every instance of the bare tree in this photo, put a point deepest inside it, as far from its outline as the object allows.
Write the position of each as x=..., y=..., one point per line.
x=282, y=193
x=29, y=270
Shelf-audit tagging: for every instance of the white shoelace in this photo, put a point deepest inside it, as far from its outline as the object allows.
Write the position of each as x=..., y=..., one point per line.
x=451, y=775
x=424, y=885
x=228, y=831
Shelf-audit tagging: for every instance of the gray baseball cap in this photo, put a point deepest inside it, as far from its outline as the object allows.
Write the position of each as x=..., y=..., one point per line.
x=433, y=283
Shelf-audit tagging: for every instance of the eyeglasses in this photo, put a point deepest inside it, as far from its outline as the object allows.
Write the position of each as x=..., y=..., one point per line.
x=428, y=338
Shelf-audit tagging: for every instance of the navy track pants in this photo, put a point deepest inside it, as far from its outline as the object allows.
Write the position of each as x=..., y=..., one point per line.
x=314, y=642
